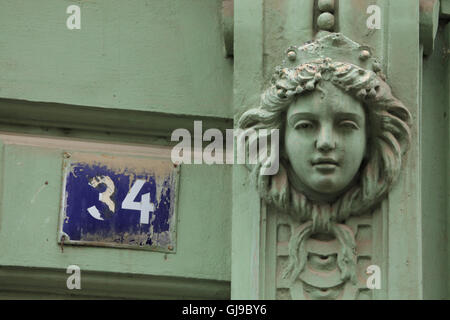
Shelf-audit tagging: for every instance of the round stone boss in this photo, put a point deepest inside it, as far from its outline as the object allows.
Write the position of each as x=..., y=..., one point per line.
x=326, y=5
x=325, y=21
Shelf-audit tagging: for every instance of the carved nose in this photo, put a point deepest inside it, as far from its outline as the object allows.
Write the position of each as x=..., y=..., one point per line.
x=325, y=146
x=325, y=141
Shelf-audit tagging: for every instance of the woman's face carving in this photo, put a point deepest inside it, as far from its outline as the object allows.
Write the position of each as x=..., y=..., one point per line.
x=325, y=141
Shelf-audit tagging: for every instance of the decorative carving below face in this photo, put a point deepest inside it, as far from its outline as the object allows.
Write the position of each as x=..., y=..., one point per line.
x=322, y=258
x=325, y=141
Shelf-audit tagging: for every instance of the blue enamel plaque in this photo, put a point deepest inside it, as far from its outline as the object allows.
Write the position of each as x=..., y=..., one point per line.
x=118, y=201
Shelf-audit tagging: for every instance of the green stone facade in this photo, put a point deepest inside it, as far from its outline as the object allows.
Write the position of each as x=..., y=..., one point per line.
x=138, y=70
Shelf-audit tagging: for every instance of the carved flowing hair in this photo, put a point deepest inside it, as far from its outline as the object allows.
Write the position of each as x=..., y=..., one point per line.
x=388, y=139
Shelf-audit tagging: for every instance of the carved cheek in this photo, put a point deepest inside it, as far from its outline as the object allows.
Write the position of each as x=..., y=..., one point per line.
x=354, y=151
x=298, y=142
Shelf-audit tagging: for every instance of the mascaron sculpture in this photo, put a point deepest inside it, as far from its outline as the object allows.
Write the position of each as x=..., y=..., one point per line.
x=343, y=137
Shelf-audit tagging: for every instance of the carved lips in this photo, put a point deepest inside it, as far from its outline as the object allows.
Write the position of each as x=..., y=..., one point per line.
x=325, y=165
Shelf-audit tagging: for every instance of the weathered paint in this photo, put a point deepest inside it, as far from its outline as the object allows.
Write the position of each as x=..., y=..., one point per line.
x=28, y=231
x=94, y=191
x=429, y=21
x=444, y=11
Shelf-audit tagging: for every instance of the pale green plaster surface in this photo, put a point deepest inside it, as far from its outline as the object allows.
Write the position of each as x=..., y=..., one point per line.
x=352, y=21
x=30, y=211
x=162, y=55
x=166, y=56
x=404, y=56
x=434, y=137
x=248, y=64
x=136, y=71
x=286, y=23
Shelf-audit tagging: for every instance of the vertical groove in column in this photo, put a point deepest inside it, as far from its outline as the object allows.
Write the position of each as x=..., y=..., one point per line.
x=405, y=201
x=248, y=84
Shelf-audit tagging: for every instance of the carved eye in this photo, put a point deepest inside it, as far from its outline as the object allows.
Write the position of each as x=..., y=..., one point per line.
x=348, y=124
x=304, y=125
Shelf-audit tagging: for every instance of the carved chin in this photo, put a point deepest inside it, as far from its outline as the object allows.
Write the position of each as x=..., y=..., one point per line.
x=327, y=185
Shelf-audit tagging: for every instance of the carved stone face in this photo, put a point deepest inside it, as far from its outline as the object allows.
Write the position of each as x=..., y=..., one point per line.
x=325, y=141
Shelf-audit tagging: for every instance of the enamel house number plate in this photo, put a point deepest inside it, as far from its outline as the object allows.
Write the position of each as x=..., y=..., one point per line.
x=119, y=201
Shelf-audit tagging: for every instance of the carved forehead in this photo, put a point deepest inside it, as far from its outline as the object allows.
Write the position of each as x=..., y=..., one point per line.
x=327, y=99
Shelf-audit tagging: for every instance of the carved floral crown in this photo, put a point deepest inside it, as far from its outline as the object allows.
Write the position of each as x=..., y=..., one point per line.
x=352, y=66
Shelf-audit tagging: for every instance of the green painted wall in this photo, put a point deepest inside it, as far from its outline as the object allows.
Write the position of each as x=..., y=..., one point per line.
x=135, y=71
x=139, y=69
x=153, y=55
